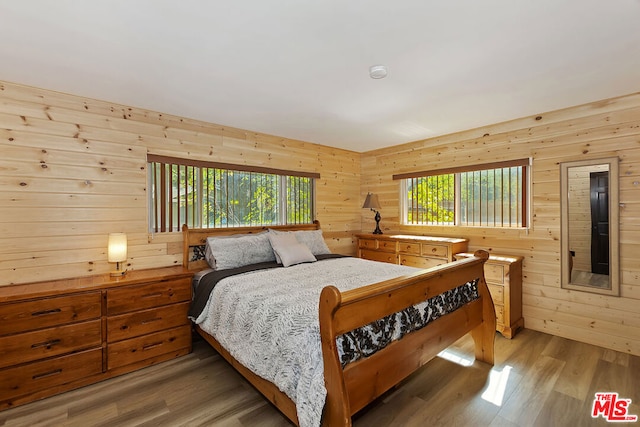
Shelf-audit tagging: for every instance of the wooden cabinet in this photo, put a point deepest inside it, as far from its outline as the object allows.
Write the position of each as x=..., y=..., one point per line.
x=147, y=321
x=63, y=334
x=503, y=274
x=49, y=341
x=410, y=250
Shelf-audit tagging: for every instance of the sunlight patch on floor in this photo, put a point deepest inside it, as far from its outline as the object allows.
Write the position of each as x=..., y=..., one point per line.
x=456, y=357
x=497, y=386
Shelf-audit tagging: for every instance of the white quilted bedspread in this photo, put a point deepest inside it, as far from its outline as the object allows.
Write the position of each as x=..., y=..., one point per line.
x=268, y=321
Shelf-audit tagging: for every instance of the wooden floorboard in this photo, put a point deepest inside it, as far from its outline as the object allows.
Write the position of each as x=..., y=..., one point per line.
x=538, y=380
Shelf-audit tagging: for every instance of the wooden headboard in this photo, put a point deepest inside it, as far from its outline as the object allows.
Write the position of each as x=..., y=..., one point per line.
x=194, y=238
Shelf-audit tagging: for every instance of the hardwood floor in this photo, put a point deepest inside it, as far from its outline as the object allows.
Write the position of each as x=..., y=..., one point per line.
x=538, y=380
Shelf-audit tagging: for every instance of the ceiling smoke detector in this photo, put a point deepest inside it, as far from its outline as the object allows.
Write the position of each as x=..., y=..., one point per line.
x=378, y=71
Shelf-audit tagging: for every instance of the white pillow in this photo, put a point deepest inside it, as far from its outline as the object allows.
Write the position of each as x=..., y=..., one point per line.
x=238, y=250
x=311, y=238
x=288, y=250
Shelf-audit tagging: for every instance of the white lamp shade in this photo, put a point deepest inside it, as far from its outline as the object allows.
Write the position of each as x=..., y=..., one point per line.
x=117, y=248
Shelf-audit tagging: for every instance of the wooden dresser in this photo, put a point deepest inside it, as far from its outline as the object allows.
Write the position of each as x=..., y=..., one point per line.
x=503, y=274
x=60, y=335
x=410, y=250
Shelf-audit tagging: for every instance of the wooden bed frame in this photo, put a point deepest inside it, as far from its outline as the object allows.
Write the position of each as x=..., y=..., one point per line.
x=359, y=383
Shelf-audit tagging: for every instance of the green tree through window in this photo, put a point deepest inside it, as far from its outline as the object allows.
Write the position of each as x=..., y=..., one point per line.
x=431, y=200
x=480, y=195
x=208, y=195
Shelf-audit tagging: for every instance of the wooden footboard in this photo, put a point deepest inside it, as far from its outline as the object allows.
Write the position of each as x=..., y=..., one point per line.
x=360, y=382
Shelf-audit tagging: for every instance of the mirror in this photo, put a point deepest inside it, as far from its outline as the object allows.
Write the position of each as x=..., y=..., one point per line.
x=589, y=226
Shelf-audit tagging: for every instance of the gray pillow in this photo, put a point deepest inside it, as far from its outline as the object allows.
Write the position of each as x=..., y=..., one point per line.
x=311, y=238
x=288, y=250
x=238, y=250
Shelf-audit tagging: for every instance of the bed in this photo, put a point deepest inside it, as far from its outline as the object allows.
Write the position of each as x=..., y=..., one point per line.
x=352, y=372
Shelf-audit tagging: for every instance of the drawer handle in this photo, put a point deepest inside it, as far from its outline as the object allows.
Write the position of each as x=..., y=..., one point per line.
x=46, y=374
x=47, y=344
x=150, y=346
x=155, y=319
x=45, y=312
x=154, y=295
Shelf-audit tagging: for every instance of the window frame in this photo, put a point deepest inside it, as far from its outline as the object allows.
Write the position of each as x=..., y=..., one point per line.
x=525, y=198
x=155, y=220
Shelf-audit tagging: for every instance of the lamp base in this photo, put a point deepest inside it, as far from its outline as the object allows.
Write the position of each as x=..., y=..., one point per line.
x=118, y=273
x=377, y=218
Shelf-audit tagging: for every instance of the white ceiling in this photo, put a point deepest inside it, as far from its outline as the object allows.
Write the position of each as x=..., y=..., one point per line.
x=299, y=68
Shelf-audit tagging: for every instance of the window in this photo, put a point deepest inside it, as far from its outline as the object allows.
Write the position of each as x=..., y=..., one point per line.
x=213, y=195
x=491, y=195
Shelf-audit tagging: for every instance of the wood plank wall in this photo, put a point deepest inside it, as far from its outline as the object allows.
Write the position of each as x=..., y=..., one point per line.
x=601, y=129
x=73, y=170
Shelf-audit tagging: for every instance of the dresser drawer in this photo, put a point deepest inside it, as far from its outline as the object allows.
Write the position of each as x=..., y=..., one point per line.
x=132, y=298
x=138, y=323
x=387, y=246
x=43, y=313
x=46, y=374
x=368, y=244
x=497, y=294
x=30, y=346
x=494, y=273
x=409, y=248
x=145, y=347
x=379, y=256
x=435, y=250
x=420, y=262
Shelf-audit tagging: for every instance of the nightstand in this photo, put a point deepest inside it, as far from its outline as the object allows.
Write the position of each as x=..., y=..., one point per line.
x=503, y=274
